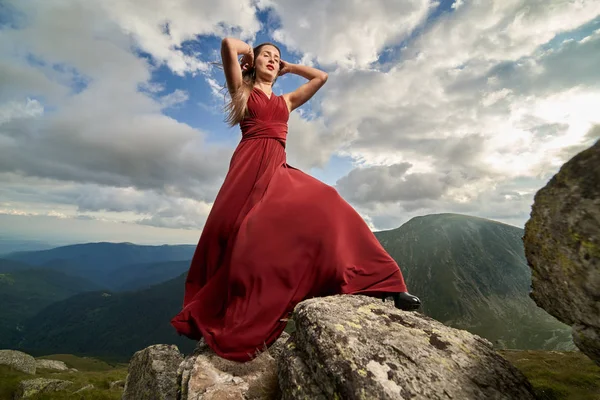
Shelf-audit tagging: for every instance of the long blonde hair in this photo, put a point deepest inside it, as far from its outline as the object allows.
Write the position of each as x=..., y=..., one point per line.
x=237, y=107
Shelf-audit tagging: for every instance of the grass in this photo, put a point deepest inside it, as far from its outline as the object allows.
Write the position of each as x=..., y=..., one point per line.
x=90, y=371
x=558, y=375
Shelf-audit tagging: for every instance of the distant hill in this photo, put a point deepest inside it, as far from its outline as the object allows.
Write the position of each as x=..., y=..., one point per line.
x=11, y=245
x=97, y=262
x=10, y=265
x=142, y=276
x=107, y=324
x=471, y=273
x=25, y=290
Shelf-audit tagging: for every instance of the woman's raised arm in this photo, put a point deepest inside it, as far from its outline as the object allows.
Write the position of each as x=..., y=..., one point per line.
x=316, y=77
x=231, y=49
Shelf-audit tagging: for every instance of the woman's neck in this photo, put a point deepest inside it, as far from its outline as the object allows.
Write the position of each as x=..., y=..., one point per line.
x=266, y=87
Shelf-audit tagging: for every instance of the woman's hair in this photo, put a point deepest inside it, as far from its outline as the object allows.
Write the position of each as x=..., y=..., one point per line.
x=237, y=107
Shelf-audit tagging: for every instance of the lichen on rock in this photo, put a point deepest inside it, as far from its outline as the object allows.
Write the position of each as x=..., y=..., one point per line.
x=152, y=374
x=358, y=347
x=562, y=246
x=32, y=387
x=18, y=360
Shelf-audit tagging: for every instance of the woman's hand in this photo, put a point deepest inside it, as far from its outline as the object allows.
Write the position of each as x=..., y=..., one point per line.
x=284, y=67
x=247, y=61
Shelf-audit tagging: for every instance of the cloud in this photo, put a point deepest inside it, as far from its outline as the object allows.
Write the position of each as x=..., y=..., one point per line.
x=84, y=118
x=471, y=110
x=346, y=34
x=174, y=98
x=393, y=183
x=14, y=110
x=309, y=143
x=46, y=197
x=106, y=147
x=158, y=28
x=161, y=28
x=489, y=31
x=80, y=118
x=541, y=73
x=473, y=104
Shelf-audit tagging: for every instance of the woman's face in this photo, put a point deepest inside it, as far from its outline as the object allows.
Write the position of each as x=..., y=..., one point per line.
x=266, y=62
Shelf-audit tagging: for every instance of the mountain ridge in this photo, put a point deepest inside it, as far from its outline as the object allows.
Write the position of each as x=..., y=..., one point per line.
x=469, y=271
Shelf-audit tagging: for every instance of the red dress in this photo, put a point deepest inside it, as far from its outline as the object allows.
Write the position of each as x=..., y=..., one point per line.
x=275, y=236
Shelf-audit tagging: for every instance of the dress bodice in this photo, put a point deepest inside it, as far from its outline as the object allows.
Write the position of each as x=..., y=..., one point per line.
x=267, y=117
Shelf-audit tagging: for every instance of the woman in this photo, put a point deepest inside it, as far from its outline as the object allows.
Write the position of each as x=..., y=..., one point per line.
x=275, y=235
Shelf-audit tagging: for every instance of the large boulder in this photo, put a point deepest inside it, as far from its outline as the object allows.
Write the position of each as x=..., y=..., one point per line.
x=33, y=387
x=206, y=376
x=18, y=360
x=357, y=347
x=152, y=374
x=562, y=246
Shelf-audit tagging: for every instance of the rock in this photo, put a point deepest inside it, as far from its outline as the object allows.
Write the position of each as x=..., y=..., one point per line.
x=206, y=376
x=357, y=347
x=83, y=389
x=116, y=384
x=51, y=364
x=18, y=360
x=31, y=387
x=152, y=373
x=562, y=246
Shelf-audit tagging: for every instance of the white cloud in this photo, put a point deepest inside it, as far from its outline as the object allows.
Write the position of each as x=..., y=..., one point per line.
x=492, y=31
x=309, y=143
x=473, y=104
x=347, y=34
x=48, y=197
x=476, y=102
x=174, y=98
x=14, y=110
x=457, y=4
x=78, y=109
x=161, y=27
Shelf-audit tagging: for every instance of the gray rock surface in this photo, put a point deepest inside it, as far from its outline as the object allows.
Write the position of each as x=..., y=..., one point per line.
x=206, y=376
x=357, y=347
x=152, y=374
x=18, y=360
x=51, y=364
x=562, y=246
x=32, y=387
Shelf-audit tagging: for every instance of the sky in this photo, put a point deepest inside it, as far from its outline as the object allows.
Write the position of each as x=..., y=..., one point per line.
x=112, y=124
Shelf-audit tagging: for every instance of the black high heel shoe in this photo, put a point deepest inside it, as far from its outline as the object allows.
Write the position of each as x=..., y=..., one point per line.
x=403, y=300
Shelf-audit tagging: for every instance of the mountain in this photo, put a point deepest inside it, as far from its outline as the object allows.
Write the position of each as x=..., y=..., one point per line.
x=10, y=265
x=471, y=273
x=108, y=324
x=25, y=290
x=11, y=245
x=142, y=276
x=98, y=261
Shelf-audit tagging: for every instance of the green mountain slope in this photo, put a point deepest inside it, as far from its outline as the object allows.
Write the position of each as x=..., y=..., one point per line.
x=142, y=276
x=25, y=290
x=471, y=273
x=107, y=324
